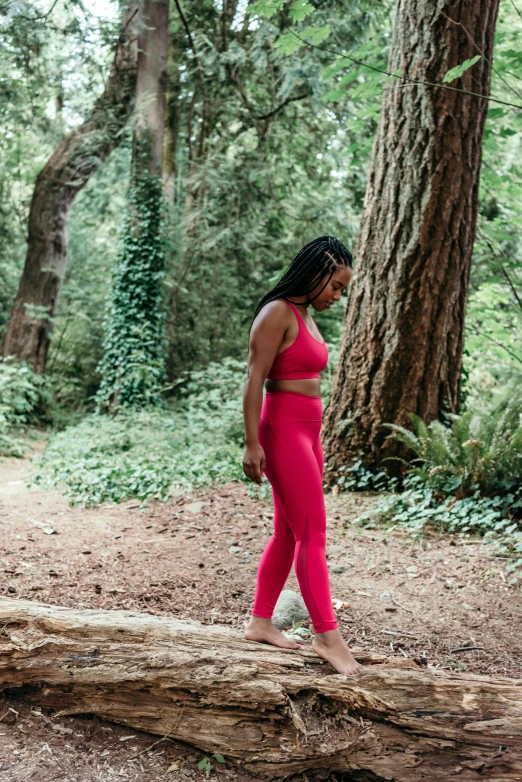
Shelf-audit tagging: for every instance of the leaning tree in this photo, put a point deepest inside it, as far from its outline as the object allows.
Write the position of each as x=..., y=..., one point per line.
x=402, y=346
x=76, y=158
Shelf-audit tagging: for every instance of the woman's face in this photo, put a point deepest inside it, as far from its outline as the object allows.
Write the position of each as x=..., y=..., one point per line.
x=332, y=292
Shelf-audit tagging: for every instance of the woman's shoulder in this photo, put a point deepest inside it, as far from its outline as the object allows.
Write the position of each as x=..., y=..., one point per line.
x=276, y=313
x=280, y=305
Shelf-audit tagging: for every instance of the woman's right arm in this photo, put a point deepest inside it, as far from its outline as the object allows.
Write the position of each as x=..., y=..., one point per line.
x=266, y=335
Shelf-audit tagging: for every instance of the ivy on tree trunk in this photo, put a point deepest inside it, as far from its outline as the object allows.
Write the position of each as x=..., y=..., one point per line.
x=133, y=366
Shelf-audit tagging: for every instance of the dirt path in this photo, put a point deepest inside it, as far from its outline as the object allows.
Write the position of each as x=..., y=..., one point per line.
x=404, y=597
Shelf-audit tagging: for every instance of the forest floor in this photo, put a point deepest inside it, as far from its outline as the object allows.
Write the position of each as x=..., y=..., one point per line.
x=404, y=596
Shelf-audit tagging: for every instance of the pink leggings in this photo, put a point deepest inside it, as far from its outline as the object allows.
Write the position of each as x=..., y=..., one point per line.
x=289, y=435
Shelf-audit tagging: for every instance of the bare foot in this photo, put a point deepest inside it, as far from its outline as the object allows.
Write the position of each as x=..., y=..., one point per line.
x=332, y=648
x=261, y=629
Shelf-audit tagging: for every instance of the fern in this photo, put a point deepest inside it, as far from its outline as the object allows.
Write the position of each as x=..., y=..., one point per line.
x=405, y=436
x=481, y=450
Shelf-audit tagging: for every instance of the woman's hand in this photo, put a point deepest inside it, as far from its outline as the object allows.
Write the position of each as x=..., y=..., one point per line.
x=254, y=463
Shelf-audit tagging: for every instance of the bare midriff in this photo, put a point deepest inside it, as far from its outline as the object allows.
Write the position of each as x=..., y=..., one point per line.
x=311, y=386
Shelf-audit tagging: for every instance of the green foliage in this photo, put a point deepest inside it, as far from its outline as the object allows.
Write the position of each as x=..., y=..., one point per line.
x=206, y=763
x=151, y=453
x=77, y=338
x=458, y=70
x=247, y=193
x=290, y=43
x=133, y=366
x=50, y=69
x=494, y=310
x=482, y=451
x=22, y=394
x=300, y=9
x=266, y=8
x=469, y=481
x=358, y=478
x=419, y=507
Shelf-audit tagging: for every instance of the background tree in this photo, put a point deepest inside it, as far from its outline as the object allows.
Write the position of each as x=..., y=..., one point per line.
x=402, y=347
x=263, y=164
x=77, y=156
x=133, y=365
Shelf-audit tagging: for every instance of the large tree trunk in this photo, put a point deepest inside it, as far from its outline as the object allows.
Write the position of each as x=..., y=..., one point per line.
x=403, y=341
x=275, y=711
x=68, y=169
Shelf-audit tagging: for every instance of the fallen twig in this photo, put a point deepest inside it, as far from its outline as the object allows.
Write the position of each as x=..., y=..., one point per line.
x=155, y=743
x=401, y=606
x=465, y=649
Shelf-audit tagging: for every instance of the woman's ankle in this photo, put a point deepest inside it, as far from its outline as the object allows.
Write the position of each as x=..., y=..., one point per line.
x=260, y=620
x=329, y=637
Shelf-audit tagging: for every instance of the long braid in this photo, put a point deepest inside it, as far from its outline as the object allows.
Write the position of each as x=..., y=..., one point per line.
x=316, y=259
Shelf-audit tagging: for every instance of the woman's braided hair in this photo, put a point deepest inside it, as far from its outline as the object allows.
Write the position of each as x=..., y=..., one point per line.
x=316, y=259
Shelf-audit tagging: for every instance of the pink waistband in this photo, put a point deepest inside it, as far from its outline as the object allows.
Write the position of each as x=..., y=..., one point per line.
x=289, y=406
x=308, y=396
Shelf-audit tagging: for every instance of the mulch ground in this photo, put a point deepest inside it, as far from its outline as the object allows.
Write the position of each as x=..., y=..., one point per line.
x=402, y=596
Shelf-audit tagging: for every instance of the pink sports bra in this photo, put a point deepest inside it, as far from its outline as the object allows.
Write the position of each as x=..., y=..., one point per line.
x=304, y=358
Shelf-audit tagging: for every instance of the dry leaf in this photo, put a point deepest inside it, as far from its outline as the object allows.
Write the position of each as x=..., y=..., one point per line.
x=62, y=729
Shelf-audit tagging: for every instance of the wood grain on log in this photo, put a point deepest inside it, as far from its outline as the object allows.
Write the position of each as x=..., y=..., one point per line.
x=274, y=711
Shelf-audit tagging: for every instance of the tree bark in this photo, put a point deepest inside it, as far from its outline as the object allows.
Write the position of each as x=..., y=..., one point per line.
x=68, y=169
x=172, y=120
x=276, y=712
x=152, y=81
x=403, y=342
x=133, y=365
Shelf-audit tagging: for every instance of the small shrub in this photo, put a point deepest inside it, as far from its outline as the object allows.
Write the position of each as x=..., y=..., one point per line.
x=357, y=478
x=149, y=453
x=206, y=763
x=22, y=395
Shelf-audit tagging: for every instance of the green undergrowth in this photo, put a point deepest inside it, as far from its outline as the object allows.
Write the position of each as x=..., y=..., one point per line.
x=195, y=441
x=466, y=479
x=23, y=395
x=419, y=509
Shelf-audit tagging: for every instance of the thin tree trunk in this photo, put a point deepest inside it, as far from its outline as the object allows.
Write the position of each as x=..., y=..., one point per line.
x=403, y=342
x=133, y=364
x=152, y=81
x=276, y=712
x=172, y=121
x=68, y=169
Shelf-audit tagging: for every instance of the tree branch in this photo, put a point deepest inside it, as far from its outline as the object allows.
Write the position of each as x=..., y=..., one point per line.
x=43, y=17
x=477, y=47
x=405, y=78
x=504, y=272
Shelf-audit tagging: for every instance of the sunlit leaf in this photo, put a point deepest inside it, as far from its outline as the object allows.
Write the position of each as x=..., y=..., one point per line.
x=266, y=7
x=300, y=10
x=458, y=70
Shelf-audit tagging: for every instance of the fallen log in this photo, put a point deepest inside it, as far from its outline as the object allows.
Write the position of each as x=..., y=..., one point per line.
x=275, y=712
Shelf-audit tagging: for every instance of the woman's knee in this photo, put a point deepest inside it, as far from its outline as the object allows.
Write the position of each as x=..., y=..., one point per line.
x=312, y=531
x=284, y=536
x=317, y=540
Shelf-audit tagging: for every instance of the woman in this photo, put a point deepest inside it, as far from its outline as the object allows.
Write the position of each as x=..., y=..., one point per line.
x=286, y=353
